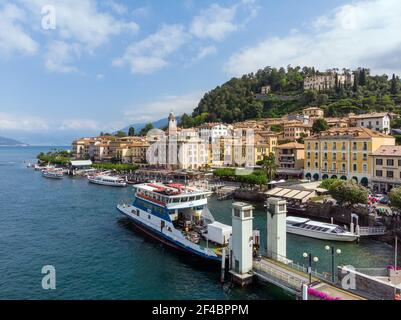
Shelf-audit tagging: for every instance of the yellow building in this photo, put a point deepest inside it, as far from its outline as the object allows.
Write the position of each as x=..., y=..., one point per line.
x=343, y=153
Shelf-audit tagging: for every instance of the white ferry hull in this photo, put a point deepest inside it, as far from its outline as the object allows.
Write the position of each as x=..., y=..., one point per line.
x=172, y=241
x=322, y=235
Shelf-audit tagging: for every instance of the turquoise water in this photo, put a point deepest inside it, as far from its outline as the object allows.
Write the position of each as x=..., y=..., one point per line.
x=75, y=227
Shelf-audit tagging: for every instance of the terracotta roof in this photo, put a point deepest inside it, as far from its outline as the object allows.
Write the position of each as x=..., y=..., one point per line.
x=355, y=132
x=371, y=115
x=291, y=145
x=388, y=151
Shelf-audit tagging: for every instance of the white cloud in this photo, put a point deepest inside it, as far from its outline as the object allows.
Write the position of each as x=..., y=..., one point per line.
x=364, y=33
x=12, y=37
x=159, y=109
x=150, y=54
x=204, y=52
x=215, y=22
x=81, y=21
x=115, y=6
x=100, y=76
x=23, y=123
x=60, y=55
x=80, y=28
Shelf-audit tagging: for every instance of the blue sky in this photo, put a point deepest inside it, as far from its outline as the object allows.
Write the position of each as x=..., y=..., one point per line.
x=110, y=63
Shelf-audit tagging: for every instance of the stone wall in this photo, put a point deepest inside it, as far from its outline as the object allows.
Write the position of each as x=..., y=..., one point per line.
x=368, y=285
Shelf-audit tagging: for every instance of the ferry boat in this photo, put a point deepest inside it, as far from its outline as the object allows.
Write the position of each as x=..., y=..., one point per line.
x=177, y=216
x=53, y=173
x=318, y=230
x=107, y=181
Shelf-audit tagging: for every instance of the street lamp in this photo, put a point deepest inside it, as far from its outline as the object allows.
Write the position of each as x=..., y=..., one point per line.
x=333, y=253
x=315, y=260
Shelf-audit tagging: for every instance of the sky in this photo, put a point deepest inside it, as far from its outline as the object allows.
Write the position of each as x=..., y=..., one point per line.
x=70, y=68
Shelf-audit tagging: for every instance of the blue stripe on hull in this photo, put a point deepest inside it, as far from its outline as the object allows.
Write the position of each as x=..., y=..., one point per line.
x=167, y=241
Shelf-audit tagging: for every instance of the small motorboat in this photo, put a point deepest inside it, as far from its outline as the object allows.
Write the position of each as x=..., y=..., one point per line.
x=319, y=230
x=107, y=181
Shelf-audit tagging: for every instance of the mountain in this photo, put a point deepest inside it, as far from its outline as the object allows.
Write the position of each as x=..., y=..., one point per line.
x=10, y=142
x=159, y=124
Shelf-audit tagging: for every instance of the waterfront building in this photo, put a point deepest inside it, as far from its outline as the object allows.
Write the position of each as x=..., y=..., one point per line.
x=102, y=152
x=376, y=121
x=327, y=81
x=294, y=130
x=386, y=168
x=80, y=148
x=343, y=153
x=290, y=159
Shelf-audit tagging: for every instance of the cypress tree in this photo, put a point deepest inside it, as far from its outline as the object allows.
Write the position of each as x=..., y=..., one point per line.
x=394, y=88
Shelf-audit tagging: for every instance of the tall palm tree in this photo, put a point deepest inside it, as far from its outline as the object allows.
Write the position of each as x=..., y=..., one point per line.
x=269, y=166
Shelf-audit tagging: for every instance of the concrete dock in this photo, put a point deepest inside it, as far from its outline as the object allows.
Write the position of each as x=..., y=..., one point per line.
x=292, y=280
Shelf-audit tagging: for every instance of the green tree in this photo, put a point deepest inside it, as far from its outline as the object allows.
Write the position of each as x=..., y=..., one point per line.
x=327, y=183
x=269, y=166
x=131, y=131
x=348, y=193
x=395, y=198
x=146, y=129
x=120, y=134
x=320, y=125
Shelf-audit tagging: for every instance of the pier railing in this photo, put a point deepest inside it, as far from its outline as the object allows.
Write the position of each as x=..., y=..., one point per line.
x=282, y=279
x=372, y=231
x=326, y=276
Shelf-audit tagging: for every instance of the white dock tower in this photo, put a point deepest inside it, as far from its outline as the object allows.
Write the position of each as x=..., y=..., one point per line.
x=242, y=243
x=277, y=229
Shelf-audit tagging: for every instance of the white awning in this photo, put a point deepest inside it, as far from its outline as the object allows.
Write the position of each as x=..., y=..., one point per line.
x=273, y=191
x=81, y=163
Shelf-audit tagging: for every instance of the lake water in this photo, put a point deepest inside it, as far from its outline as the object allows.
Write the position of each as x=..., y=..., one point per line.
x=75, y=227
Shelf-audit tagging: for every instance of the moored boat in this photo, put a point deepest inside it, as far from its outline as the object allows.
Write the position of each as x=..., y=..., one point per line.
x=319, y=230
x=177, y=216
x=107, y=181
x=52, y=173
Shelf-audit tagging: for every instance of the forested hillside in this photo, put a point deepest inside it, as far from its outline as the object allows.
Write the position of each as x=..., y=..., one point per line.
x=240, y=99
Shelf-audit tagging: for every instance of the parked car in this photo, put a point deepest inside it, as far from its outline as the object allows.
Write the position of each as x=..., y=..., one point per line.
x=385, y=200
